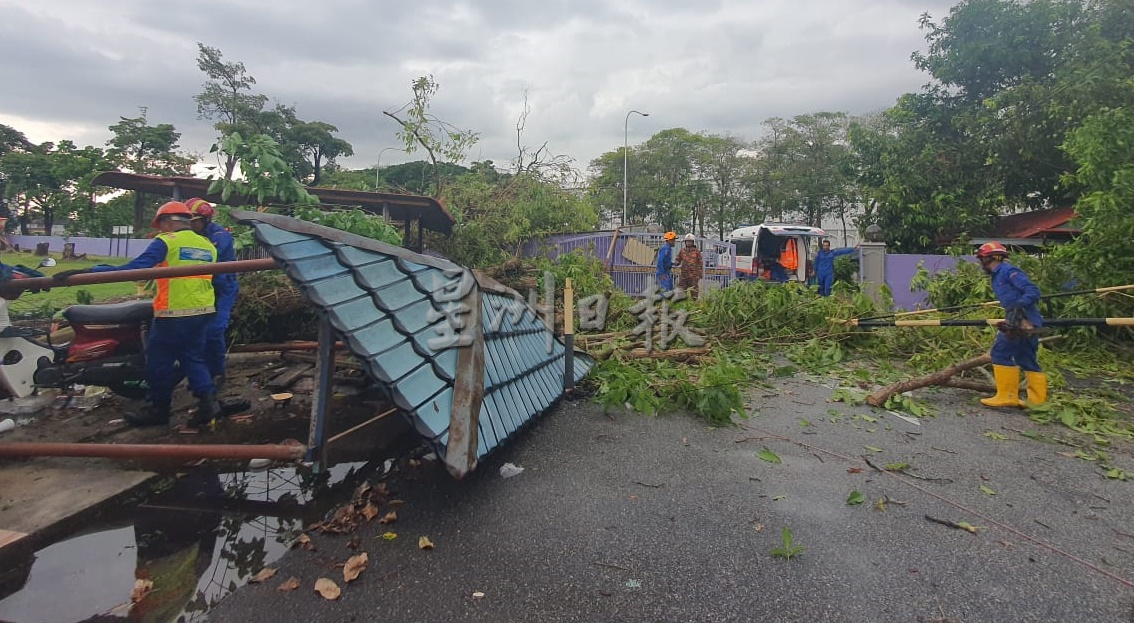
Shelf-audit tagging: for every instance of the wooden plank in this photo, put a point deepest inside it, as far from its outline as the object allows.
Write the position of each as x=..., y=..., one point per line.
x=284, y=379
x=468, y=392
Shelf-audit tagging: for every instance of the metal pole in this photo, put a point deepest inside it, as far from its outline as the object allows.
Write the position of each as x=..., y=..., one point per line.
x=378, y=167
x=1052, y=322
x=320, y=406
x=992, y=303
x=626, y=158
x=142, y=274
x=143, y=451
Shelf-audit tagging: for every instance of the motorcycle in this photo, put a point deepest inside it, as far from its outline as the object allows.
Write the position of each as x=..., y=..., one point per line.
x=103, y=345
x=107, y=350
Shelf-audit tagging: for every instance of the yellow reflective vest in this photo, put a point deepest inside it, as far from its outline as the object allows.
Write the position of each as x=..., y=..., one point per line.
x=185, y=296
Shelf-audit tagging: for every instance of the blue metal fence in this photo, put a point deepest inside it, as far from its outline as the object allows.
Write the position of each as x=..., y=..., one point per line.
x=630, y=258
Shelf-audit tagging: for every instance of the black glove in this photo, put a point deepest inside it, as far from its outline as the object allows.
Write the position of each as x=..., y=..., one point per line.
x=63, y=275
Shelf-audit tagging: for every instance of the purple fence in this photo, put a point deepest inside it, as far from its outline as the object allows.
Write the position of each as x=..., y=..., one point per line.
x=631, y=259
x=901, y=268
x=106, y=247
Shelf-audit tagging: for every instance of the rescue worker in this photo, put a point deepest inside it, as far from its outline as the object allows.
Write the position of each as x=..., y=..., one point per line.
x=225, y=286
x=825, y=265
x=183, y=310
x=689, y=261
x=665, y=263
x=1016, y=344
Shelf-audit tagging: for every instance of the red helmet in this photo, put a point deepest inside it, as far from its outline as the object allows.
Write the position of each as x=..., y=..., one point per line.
x=200, y=208
x=172, y=208
x=990, y=249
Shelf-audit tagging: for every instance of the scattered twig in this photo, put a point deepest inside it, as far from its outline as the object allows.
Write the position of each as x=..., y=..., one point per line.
x=953, y=524
x=942, y=449
x=1042, y=524
x=942, y=618
x=646, y=484
x=1032, y=435
x=613, y=566
x=816, y=455
x=906, y=473
x=744, y=439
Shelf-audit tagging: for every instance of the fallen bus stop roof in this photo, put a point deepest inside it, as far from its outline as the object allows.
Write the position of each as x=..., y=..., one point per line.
x=401, y=208
x=394, y=310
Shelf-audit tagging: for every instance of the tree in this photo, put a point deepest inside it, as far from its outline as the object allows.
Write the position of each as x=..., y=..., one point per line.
x=922, y=181
x=227, y=98
x=722, y=162
x=496, y=215
x=804, y=168
x=11, y=140
x=998, y=62
x=139, y=147
x=318, y=145
x=421, y=128
x=51, y=180
x=1102, y=146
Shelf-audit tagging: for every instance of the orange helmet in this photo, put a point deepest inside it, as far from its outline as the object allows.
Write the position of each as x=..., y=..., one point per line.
x=990, y=249
x=200, y=208
x=670, y=236
x=172, y=208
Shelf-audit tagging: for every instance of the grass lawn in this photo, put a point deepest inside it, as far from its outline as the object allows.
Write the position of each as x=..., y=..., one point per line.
x=45, y=304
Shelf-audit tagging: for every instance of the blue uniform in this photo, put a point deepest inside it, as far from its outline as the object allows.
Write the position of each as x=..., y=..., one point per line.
x=1020, y=298
x=172, y=341
x=665, y=268
x=825, y=268
x=226, y=288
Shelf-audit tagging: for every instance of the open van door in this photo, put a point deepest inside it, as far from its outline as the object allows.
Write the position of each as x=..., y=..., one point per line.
x=774, y=251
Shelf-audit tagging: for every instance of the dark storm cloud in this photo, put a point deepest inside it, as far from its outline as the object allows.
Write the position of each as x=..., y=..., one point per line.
x=720, y=67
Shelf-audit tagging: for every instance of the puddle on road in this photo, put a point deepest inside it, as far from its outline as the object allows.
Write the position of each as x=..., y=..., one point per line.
x=198, y=538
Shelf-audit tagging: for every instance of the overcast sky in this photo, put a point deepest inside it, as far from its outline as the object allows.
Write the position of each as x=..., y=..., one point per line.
x=71, y=68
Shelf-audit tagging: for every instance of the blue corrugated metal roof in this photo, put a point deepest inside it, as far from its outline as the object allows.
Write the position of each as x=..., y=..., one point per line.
x=387, y=305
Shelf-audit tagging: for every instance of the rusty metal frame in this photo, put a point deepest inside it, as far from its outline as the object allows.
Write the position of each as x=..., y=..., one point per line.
x=337, y=235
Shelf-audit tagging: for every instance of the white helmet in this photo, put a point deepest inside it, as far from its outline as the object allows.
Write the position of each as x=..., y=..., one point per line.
x=690, y=237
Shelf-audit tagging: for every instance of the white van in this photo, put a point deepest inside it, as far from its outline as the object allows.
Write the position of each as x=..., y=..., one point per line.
x=773, y=251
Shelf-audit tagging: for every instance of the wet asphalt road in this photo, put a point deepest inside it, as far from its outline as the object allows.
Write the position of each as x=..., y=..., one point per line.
x=620, y=517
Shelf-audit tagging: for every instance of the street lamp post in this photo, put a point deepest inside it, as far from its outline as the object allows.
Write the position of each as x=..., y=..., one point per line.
x=626, y=158
x=378, y=166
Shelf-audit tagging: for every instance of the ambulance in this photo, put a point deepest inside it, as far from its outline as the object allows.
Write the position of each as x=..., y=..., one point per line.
x=773, y=251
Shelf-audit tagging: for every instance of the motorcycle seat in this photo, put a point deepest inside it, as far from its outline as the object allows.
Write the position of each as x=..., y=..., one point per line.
x=111, y=313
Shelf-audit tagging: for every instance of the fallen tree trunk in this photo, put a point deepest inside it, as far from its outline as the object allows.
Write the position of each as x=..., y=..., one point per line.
x=942, y=378
x=973, y=384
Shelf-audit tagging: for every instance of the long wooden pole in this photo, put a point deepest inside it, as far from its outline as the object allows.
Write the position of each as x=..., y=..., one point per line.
x=992, y=303
x=1054, y=322
x=284, y=452
x=14, y=286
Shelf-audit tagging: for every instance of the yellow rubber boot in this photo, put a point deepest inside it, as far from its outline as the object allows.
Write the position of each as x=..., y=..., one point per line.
x=1007, y=387
x=1037, y=388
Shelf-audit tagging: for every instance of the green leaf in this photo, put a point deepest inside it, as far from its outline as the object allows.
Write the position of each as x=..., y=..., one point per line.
x=897, y=467
x=987, y=490
x=855, y=498
x=873, y=449
x=769, y=456
x=995, y=436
